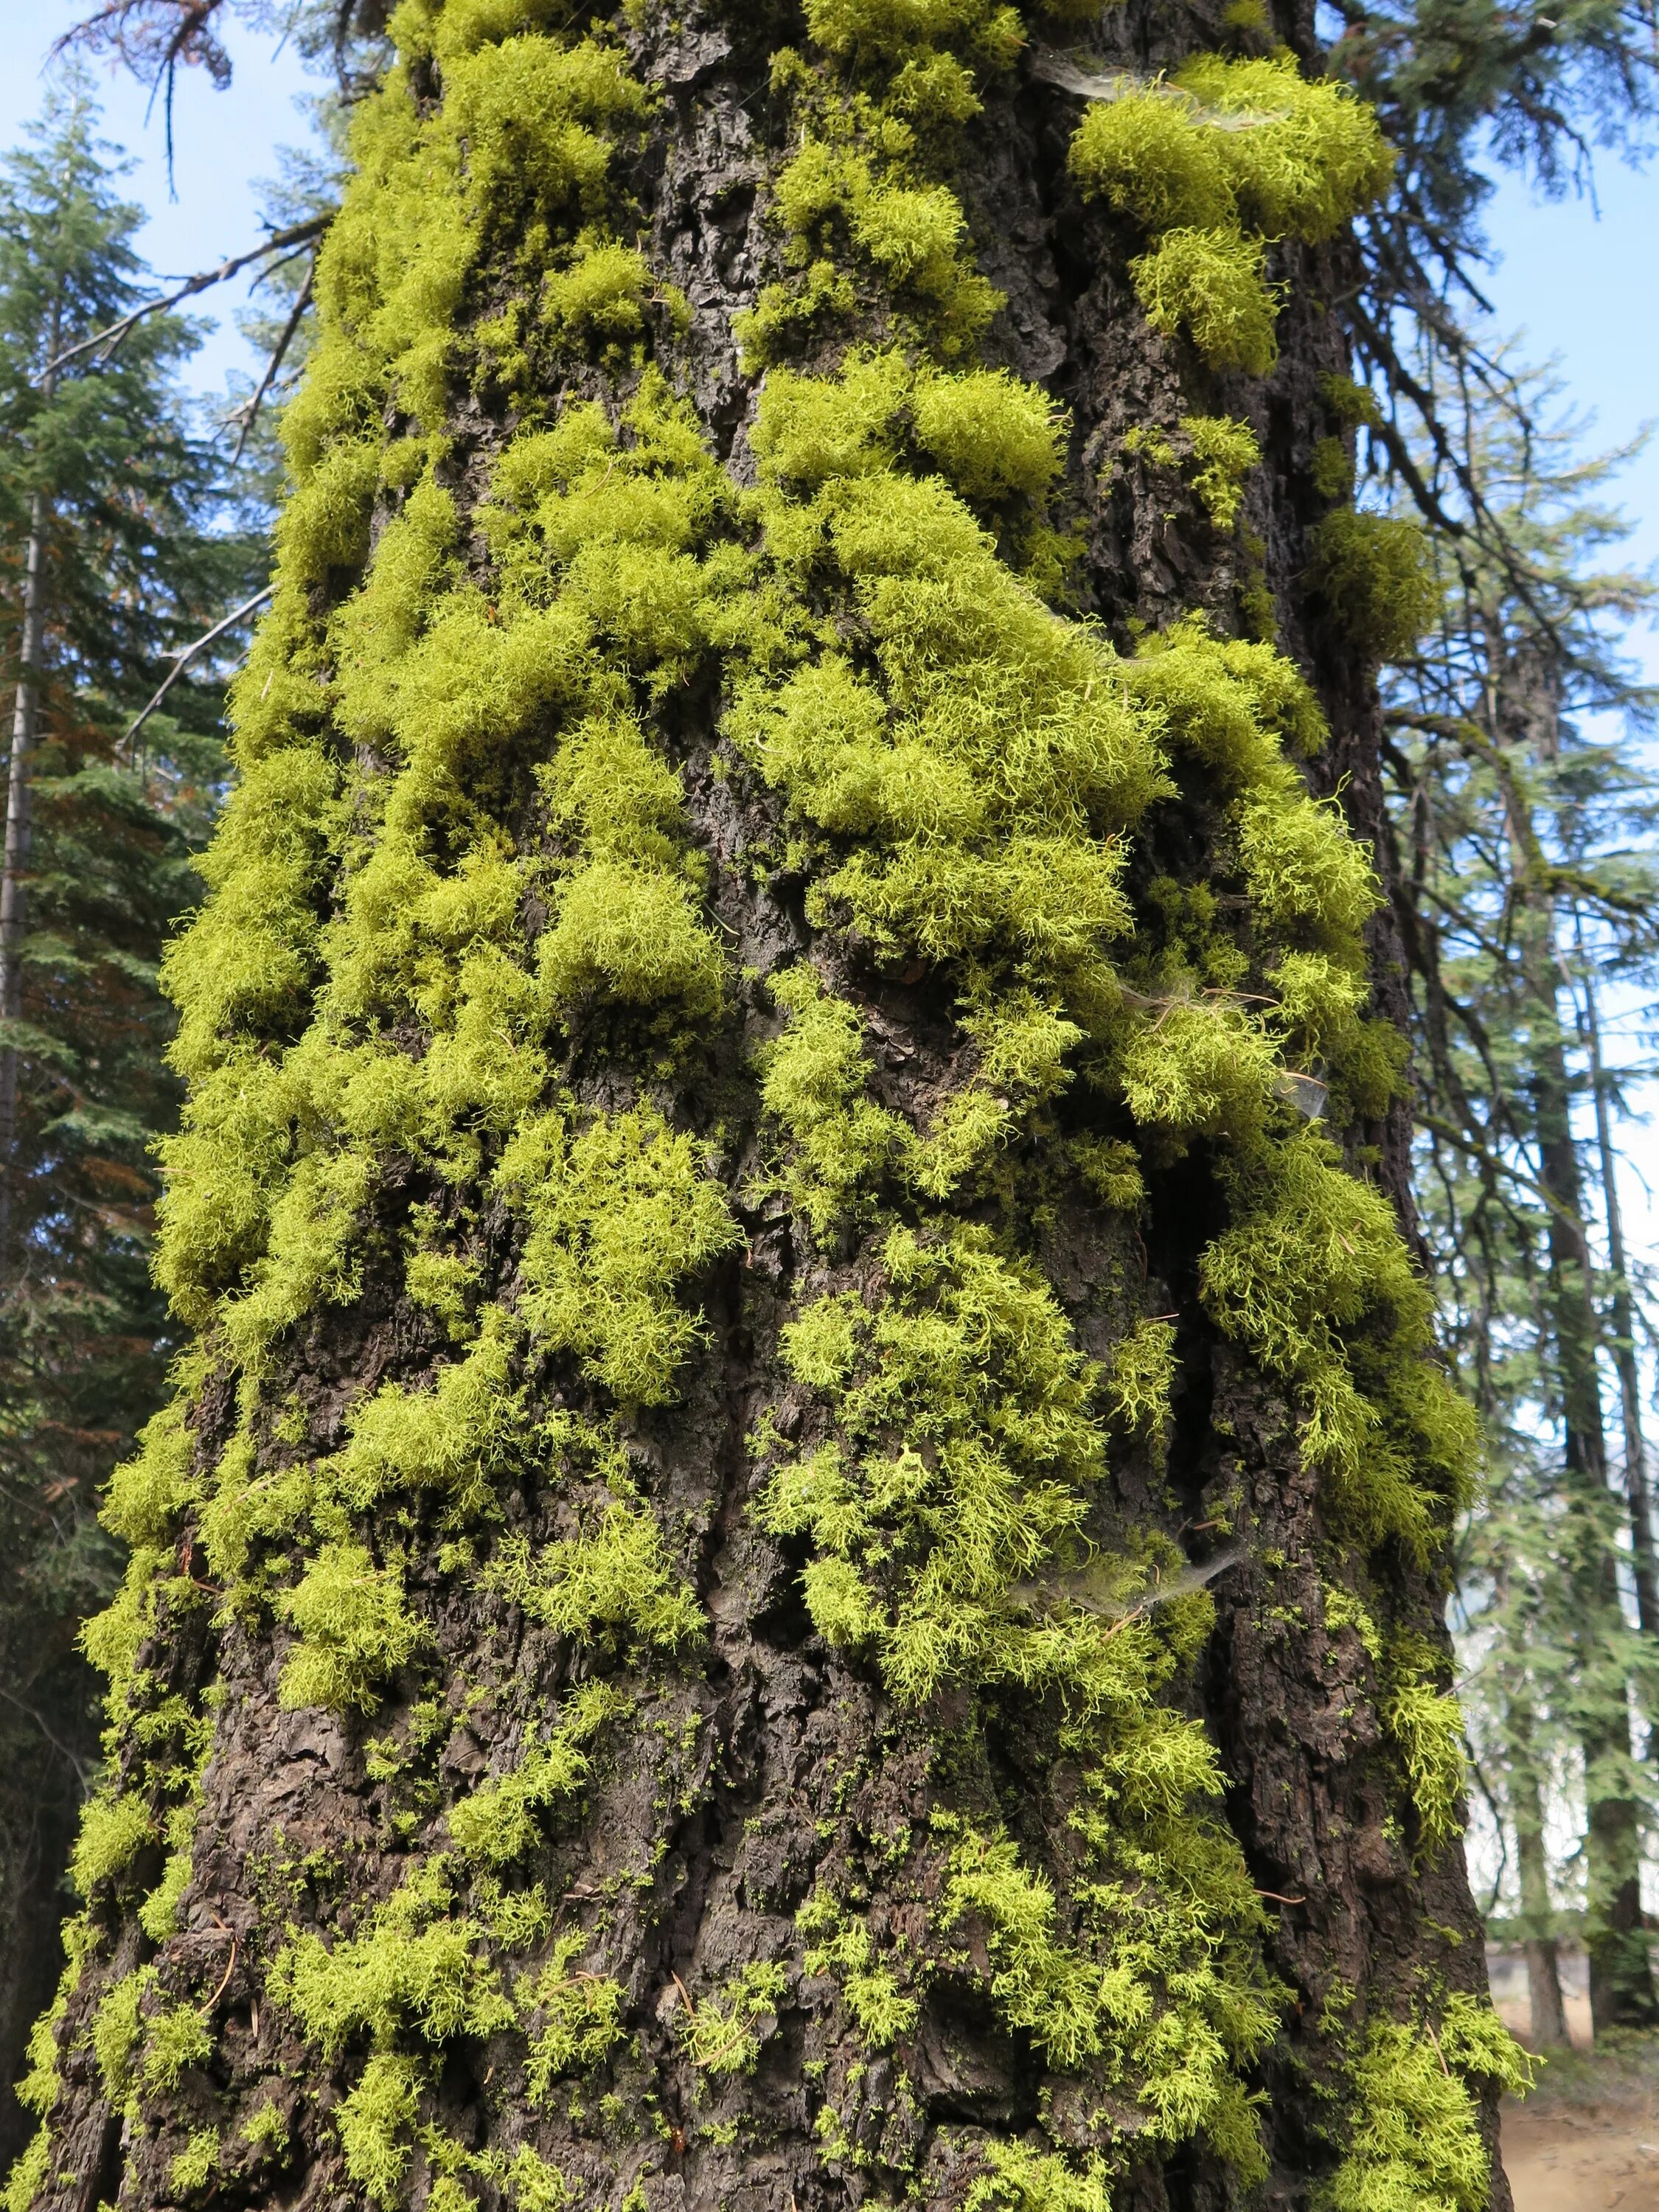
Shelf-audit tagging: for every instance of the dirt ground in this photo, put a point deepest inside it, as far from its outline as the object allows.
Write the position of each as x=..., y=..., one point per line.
x=1587, y=2139
x=1560, y=2160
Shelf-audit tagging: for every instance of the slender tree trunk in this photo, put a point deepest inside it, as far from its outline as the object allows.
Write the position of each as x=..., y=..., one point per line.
x=799, y=1565
x=1549, y=2017
x=1624, y=1335
x=1524, y=712
x=26, y=709
x=1621, y=1985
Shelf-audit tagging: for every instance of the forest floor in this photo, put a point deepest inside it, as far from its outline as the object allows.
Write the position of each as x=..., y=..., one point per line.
x=1587, y=2139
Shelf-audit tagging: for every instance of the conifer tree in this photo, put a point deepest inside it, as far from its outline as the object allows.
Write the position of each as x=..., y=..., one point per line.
x=113, y=556
x=800, y=1555
x=1527, y=847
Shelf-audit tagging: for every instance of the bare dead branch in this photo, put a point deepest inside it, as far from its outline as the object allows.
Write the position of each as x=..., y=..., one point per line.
x=248, y=414
x=183, y=659
x=105, y=342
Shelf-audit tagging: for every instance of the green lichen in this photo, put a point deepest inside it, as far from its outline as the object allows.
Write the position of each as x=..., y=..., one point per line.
x=1226, y=452
x=194, y=2167
x=1026, y=2180
x=620, y=1212
x=29, y=2172
x=266, y=2130
x=374, y=2121
x=1083, y=2002
x=1425, y=1727
x=113, y=1831
x=576, y=2019
x=840, y=1944
x=1227, y=158
x=116, y=2031
x=1415, y=2145
x=1373, y=572
x=176, y=2038
x=724, y=2033
x=417, y=1967
x=355, y=1629
x=496, y=1824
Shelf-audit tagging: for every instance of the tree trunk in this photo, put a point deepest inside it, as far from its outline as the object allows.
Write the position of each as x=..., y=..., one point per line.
x=1637, y=1491
x=1549, y=2017
x=1526, y=707
x=13, y=878
x=1621, y=1985
x=799, y=1560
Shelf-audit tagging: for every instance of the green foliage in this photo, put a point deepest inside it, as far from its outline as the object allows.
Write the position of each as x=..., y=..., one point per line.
x=143, y=547
x=1524, y=808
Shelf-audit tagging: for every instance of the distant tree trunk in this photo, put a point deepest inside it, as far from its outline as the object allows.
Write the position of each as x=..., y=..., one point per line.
x=799, y=1560
x=1622, y=1991
x=25, y=716
x=1549, y=2017
x=1636, y=1490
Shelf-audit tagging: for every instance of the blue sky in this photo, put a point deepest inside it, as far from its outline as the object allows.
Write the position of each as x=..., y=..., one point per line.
x=224, y=144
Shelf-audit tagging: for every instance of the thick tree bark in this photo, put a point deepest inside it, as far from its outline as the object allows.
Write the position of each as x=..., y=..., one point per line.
x=765, y=1761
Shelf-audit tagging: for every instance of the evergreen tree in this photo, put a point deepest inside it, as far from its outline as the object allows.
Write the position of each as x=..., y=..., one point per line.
x=110, y=559
x=1527, y=847
x=800, y=1554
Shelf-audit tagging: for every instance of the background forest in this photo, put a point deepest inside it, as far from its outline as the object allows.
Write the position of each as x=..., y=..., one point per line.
x=1523, y=781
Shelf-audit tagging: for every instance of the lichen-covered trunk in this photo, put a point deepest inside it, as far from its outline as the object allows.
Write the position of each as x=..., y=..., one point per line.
x=797, y=1562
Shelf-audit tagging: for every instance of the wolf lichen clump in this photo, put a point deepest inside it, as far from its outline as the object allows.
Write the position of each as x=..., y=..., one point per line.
x=712, y=996
x=1294, y=159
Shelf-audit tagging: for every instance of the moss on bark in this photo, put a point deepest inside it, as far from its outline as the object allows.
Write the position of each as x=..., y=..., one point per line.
x=767, y=1306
